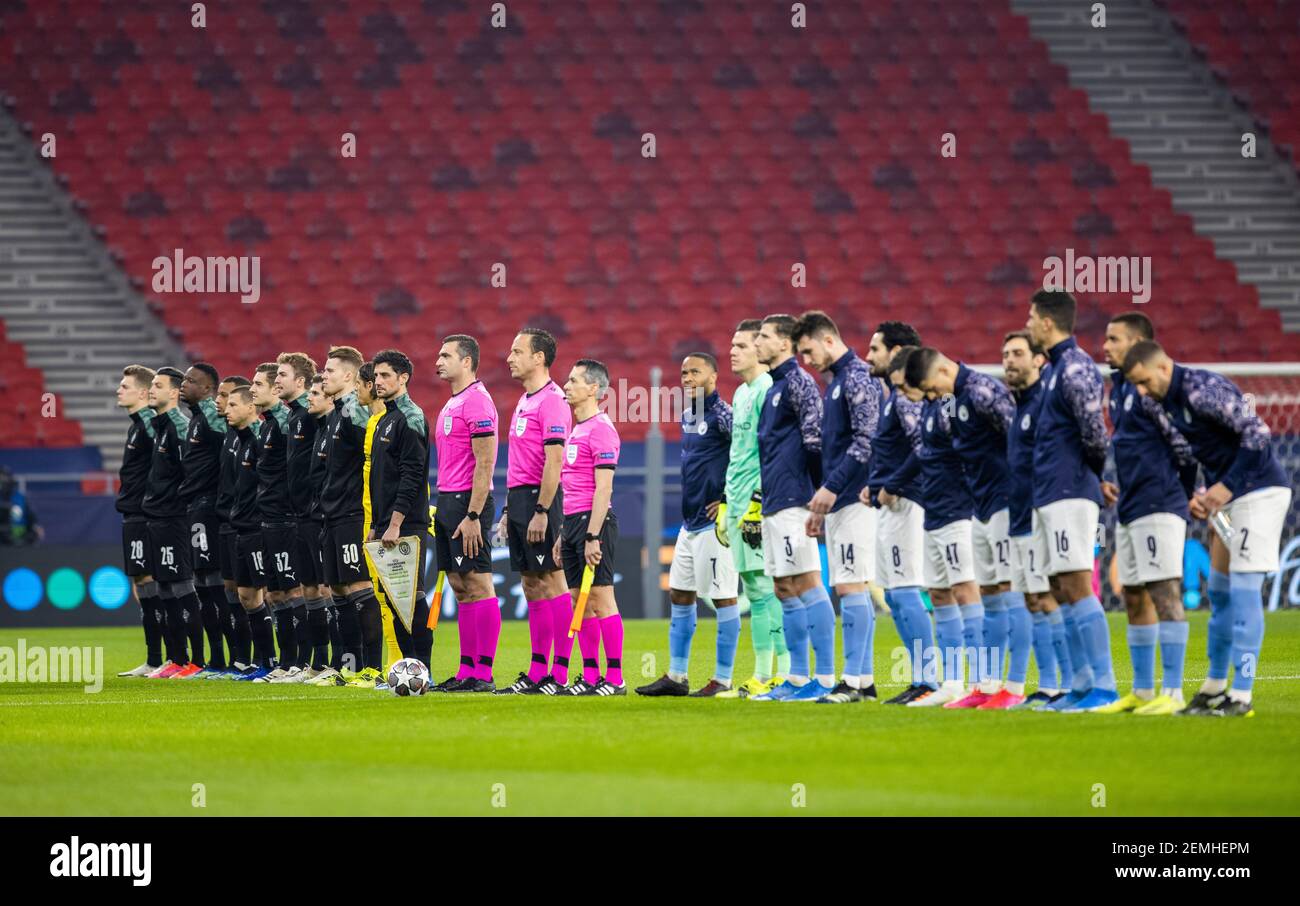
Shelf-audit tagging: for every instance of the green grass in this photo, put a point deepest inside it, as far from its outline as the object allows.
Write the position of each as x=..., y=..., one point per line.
x=139, y=746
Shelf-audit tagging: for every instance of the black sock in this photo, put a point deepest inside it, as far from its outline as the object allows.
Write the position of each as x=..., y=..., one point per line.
x=174, y=632
x=153, y=617
x=241, y=650
x=210, y=597
x=259, y=621
x=318, y=619
x=298, y=611
x=192, y=614
x=372, y=627
x=335, y=634
x=285, y=636
x=350, y=632
x=421, y=634
x=226, y=609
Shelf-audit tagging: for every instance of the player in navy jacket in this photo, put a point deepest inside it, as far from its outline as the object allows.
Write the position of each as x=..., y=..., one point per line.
x=1248, y=486
x=1069, y=455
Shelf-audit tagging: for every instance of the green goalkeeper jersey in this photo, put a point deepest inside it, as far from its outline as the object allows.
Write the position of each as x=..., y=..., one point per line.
x=742, y=471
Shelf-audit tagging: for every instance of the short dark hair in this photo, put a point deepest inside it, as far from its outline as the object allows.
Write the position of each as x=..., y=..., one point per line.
x=1056, y=305
x=396, y=359
x=210, y=370
x=237, y=379
x=595, y=371
x=1137, y=322
x=466, y=346
x=1143, y=352
x=1034, y=348
x=783, y=324
x=813, y=324
x=243, y=392
x=366, y=373
x=141, y=374
x=752, y=325
x=540, y=341
x=706, y=357
x=172, y=373
x=349, y=355
x=900, y=359
x=919, y=365
x=318, y=378
x=270, y=369
x=898, y=333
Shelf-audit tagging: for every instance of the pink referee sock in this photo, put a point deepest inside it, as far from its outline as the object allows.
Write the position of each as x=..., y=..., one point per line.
x=466, y=622
x=611, y=635
x=488, y=624
x=561, y=617
x=541, y=631
x=589, y=645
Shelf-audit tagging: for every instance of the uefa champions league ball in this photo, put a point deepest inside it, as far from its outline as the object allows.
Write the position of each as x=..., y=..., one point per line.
x=408, y=677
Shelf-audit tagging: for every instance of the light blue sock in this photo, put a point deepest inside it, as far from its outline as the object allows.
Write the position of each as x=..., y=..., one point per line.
x=1142, y=649
x=910, y=611
x=859, y=619
x=899, y=616
x=728, y=639
x=821, y=629
x=1019, y=636
x=681, y=629
x=972, y=633
x=1247, y=628
x=1219, y=631
x=1044, y=653
x=1078, y=654
x=995, y=633
x=1061, y=648
x=1095, y=632
x=795, y=623
x=1173, y=653
x=948, y=633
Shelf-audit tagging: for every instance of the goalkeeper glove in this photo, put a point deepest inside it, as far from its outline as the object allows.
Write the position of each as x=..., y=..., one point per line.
x=720, y=523
x=751, y=524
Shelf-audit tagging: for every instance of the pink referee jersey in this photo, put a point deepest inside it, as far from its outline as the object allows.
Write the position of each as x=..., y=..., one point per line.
x=541, y=418
x=467, y=415
x=593, y=444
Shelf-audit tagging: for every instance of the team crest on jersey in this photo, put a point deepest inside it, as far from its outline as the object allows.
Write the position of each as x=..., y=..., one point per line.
x=1187, y=415
x=571, y=453
x=702, y=429
x=963, y=413
x=929, y=423
x=835, y=394
x=1025, y=422
x=1051, y=385
x=1128, y=403
x=889, y=407
x=776, y=399
x=446, y=424
x=388, y=430
x=521, y=425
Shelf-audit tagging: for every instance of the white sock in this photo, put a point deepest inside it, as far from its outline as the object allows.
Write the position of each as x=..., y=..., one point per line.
x=866, y=680
x=1015, y=688
x=1239, y=695
x=677, y=677
x=826, y=679
x=1214, y=686
x=1044, y=691
x=851, y=682
x=1145, y=694
x=1175, y=694
x=797, y=680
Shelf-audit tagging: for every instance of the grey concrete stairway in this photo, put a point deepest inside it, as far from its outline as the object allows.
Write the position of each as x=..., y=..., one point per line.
x=1180, y=120
x=65, y=299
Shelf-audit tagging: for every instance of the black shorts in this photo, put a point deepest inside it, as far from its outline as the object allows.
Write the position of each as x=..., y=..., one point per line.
x=449, y=554
x=280, y=541
x=205, y=530
x=135, y=545
x=309, y=559
x=525, y=557
x=226, y=548
x=342, y=553
x=169, y=550
x=250, y=560
x=573, y=549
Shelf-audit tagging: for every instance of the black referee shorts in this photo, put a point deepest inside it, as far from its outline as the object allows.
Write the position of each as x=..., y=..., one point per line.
x=573, y=548
x=169, y=550
x=452, y=507
x=135, y=545
x=525, y=557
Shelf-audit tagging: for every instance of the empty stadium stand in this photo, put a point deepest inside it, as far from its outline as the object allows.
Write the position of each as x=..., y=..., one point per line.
x=523, y=146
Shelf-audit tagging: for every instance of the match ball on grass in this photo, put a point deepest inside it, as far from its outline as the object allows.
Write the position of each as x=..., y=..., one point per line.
x=408, y=677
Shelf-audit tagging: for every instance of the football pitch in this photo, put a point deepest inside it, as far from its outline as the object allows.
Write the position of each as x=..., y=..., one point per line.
x=173, y=747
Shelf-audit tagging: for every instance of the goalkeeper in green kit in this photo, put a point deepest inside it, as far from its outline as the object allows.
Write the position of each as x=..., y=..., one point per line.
x=740, y=518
